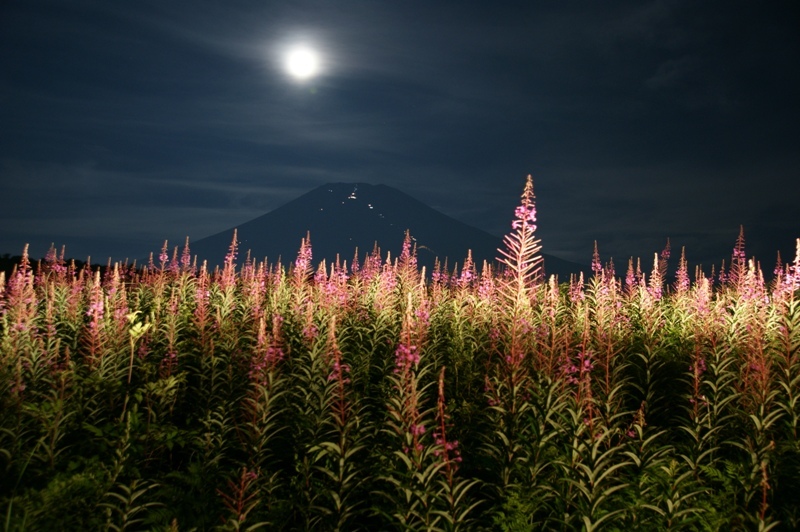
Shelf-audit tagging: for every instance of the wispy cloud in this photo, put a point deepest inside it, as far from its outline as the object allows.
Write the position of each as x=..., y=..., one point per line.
x=636, y=120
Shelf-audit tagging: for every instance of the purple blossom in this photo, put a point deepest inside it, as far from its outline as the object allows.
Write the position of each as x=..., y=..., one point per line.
x=143, y=350
x=597, y=266
x=303, y=262
x=446, y=447
x=526, y=215
x=174, y=266
x=466, y=278
x=169, y=363
x=423, y=316
x=576, y=371
x=405, y=357
x=310, y=331
x=576, y=289
x=338, y=371
x=186, y=257
x=95, y=309
x=630, y=278
x=260, y=365
x=407, y=255
x=51, y=257
x=698, y=367
x=163, y=257
x=54, y=262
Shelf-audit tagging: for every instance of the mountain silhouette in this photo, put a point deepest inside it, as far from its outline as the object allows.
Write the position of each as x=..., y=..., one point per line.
x=341, y=217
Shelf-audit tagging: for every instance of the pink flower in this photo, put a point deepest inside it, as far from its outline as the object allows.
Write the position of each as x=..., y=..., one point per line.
x=576, y=372
x=405, y=357
x=698, y=367
x=525, y=214
x=163, y=256
x=310, y=331
x=303, y=262
x=186, y=256
x=143, y=350
x=338, y=371
x=597, y=266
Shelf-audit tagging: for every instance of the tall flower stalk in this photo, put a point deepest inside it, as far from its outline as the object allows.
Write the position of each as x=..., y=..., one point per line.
x=508, y=385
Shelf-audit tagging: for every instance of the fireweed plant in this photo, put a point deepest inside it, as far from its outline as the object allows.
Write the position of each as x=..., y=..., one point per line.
x=371, y=395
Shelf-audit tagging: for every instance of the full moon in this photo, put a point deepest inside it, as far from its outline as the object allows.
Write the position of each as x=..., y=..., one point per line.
x=302, y=63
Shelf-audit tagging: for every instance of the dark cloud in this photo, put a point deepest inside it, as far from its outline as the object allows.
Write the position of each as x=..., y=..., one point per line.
x=126, y=124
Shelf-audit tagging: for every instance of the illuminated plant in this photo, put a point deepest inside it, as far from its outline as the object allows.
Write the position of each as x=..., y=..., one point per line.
x=175, y=396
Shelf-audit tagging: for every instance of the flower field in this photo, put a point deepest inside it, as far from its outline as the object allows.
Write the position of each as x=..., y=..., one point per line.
x=375, y=396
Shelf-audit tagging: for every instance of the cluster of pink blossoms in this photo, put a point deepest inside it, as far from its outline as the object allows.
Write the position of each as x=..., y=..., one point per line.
x=450, y=448
x=143, y=350
x=525, y=214
x=698, y=367
x=576, y=293
x=304, y=256
x=95, y=311
x=423, y=316
x=406, y=356
x=169, y=363
x=260, y=366
x=338, y=372
x=54, y=263
x=416, y=432
x=310, y=332
x=584, y=365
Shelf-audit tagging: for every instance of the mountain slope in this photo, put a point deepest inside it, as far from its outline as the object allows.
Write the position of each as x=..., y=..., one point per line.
x=344, y=216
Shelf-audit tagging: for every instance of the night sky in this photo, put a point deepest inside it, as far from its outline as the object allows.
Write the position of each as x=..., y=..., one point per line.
x=128, y=123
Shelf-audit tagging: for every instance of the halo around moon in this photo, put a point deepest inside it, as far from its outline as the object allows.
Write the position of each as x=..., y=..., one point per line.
x=302, y=63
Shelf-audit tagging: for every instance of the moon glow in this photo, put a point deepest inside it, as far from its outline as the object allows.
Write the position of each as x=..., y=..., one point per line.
x=302, y=63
